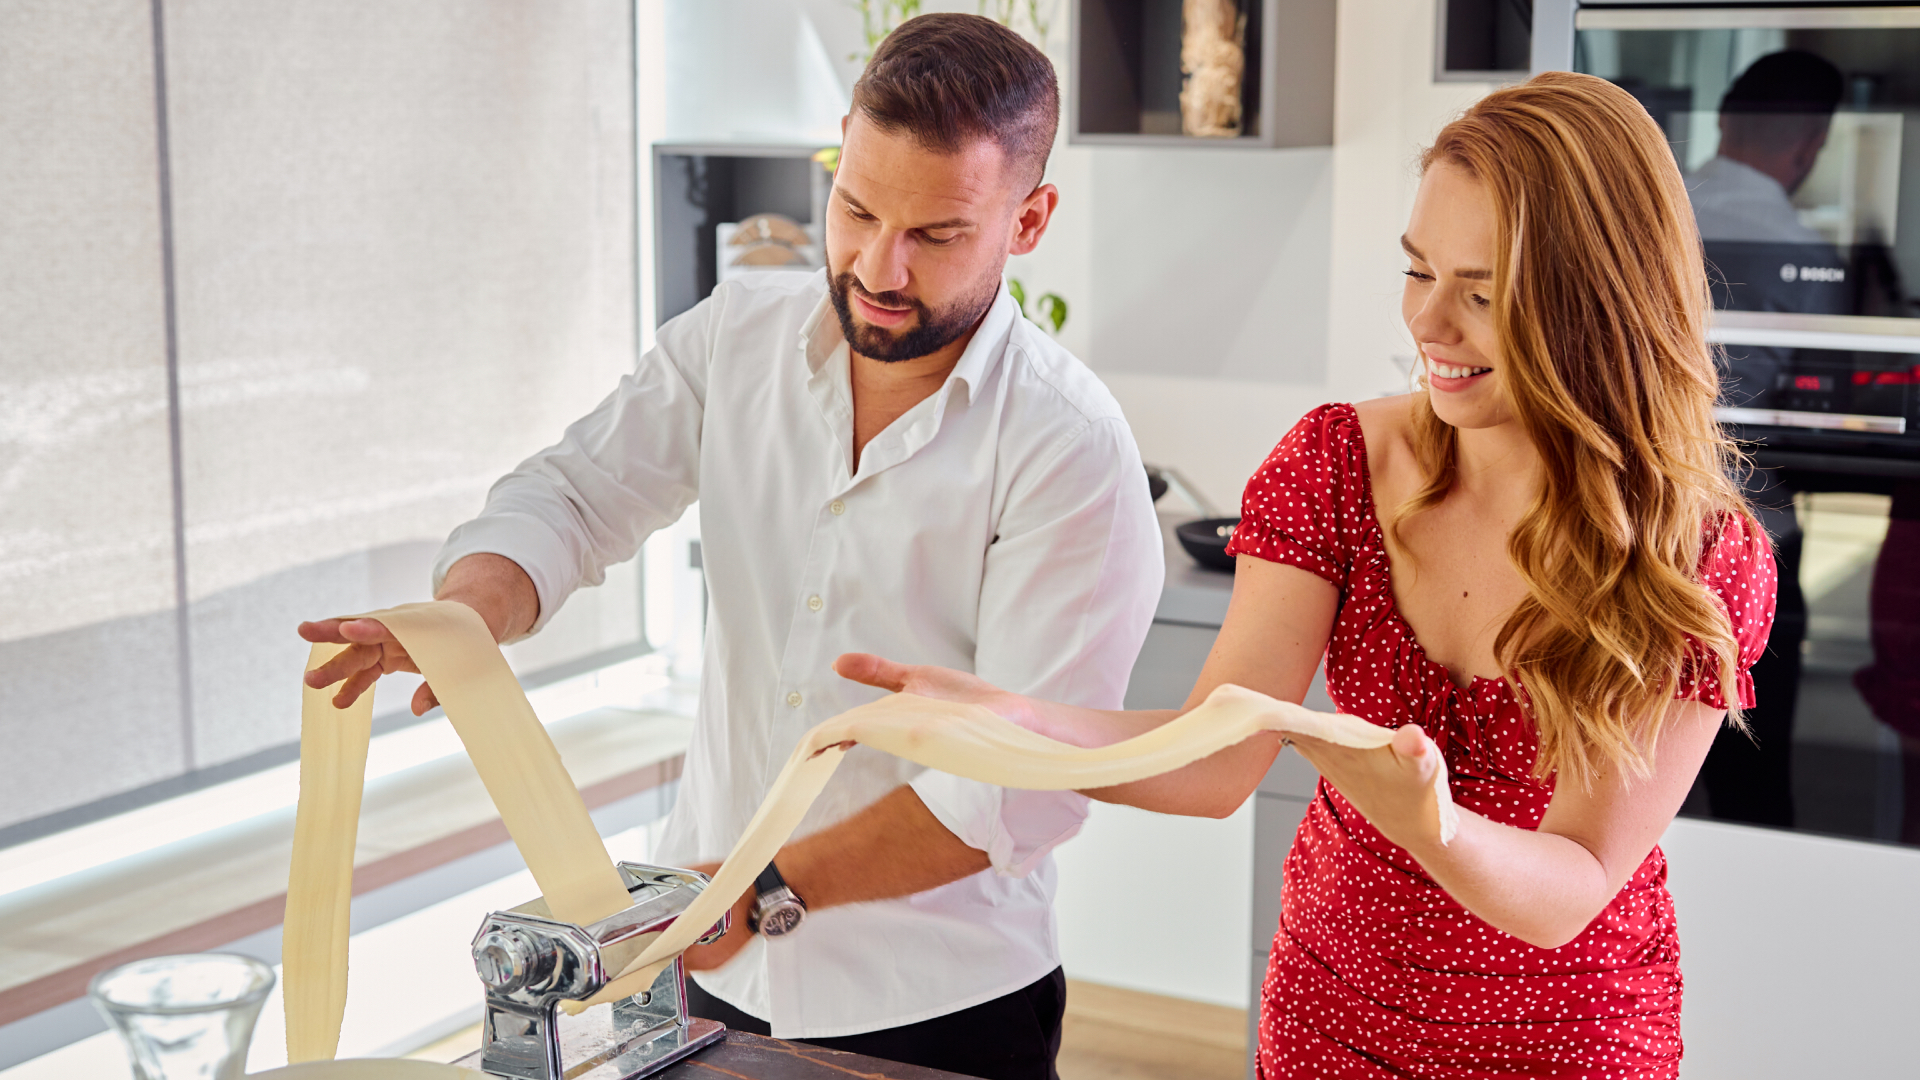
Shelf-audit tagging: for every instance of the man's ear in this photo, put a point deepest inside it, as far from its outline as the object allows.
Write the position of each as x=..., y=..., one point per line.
x=1035, y=213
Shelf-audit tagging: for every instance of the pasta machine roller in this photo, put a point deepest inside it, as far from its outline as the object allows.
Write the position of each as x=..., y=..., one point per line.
x=529, y=962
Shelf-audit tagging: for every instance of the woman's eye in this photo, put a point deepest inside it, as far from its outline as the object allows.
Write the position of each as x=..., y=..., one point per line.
x=1480, y=301
x=1417, y=275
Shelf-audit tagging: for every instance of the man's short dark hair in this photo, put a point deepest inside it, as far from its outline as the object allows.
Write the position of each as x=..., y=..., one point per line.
x=1789, y=81
x=947, y=79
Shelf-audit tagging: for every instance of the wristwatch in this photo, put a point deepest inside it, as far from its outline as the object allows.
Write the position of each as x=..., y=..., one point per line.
x=777, y=910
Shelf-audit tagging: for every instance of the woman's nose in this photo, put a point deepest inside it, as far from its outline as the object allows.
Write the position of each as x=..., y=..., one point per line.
x=1433, y=322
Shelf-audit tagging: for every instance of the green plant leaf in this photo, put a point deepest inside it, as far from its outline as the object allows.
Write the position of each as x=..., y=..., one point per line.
x=1019, y=292
x=1053, y=307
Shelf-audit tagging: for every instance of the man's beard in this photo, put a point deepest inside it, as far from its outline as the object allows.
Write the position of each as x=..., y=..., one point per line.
x=932, y=331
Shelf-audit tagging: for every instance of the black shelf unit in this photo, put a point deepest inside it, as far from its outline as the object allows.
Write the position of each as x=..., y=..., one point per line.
x=698, y=185
x=1483, y=40
x=1126, y=78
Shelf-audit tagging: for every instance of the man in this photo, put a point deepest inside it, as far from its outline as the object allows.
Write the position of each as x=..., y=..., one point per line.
x=886, y=457
x=1774, y=121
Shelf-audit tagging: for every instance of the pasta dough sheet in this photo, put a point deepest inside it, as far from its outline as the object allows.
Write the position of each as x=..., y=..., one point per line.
x=543, y=811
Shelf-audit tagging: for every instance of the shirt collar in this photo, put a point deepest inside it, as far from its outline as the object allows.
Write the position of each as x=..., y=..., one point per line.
x=820, y=335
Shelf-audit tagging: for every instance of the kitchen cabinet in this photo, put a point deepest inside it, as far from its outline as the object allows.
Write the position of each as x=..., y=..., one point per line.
x=1193, y=604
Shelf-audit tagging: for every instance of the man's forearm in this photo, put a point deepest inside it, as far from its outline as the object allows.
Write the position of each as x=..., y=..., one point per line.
x=896, y=847
x=497, y=588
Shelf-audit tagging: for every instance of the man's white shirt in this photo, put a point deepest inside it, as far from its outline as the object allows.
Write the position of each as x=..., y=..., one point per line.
x=1735, y=201
x=1000, y=526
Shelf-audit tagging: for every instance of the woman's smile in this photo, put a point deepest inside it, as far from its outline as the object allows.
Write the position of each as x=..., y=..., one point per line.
x=1453, y=377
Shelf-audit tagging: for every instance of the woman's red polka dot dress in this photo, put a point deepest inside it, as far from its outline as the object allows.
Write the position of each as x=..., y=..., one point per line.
x=1375, y=971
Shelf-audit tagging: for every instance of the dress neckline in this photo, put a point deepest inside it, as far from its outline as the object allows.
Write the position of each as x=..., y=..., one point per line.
x=1378, y=537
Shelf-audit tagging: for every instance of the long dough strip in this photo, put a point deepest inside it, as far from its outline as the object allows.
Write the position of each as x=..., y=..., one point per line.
x=313, y=941
x=517, y=762
x=974, y=742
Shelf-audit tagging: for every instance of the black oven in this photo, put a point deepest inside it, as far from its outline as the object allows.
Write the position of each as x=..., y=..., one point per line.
x=1797, y=127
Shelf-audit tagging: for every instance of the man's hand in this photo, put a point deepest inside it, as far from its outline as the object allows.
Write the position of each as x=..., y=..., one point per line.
x=708, y=957
x=492, y=585
x=371, y=651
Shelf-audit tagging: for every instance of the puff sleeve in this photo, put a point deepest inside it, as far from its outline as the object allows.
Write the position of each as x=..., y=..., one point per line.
x=1306, y=506
x=1739, y=569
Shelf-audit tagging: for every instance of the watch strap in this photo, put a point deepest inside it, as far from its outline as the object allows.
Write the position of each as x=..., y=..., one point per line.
x=769, y=880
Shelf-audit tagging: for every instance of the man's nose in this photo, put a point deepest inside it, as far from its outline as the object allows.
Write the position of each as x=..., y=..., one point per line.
x=882, y=266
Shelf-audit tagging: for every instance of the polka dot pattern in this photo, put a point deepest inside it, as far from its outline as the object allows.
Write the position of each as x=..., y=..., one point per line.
x=1376, y=971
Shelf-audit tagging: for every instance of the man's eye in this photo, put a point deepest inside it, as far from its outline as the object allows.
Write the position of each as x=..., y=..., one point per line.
x=940, y=241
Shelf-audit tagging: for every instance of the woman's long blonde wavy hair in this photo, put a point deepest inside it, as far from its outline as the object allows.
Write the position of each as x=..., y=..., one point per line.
x=1600, y=302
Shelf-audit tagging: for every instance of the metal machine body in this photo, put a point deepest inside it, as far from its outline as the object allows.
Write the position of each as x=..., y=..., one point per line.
x=529, y=962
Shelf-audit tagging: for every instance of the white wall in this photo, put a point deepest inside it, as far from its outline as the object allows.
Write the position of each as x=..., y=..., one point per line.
x=1222, y=293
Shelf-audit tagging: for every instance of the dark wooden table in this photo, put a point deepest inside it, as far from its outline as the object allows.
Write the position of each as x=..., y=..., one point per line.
x=740, y=1056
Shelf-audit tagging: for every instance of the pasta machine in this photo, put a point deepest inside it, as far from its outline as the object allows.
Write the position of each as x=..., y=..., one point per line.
x=529, y=962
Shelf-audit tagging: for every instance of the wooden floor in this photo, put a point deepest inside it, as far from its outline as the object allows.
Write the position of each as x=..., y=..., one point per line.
x=1110, y=1034
x=1114, y=1034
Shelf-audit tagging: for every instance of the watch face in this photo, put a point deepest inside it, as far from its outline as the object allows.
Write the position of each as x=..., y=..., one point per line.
x=781, y=918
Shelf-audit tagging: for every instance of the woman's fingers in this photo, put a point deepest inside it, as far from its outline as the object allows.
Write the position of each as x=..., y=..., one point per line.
x=1410, y=745
x=873, y=671
x=423, y=700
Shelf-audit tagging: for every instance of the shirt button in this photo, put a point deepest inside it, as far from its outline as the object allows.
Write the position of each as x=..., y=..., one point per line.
x=837, y=507
x=814, y=603
x=793, y=698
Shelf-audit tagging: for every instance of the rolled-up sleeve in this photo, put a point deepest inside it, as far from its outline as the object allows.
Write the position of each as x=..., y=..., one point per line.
x=1072, y=580
x=626, y=469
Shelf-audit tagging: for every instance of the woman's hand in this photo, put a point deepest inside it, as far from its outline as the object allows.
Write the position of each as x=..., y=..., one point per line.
x=1391, y=786
x=943, y=684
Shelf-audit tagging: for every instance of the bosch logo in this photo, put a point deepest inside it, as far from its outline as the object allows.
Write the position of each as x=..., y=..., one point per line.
x=1791, y=273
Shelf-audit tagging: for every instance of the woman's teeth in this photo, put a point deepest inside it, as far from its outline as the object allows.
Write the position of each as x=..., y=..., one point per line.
x=1449, y=371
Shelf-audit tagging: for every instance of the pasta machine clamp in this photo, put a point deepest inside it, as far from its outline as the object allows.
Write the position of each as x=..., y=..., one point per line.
x=529, y=962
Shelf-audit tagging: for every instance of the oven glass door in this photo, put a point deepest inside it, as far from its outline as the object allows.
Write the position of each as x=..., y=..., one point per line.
x=1798, y=130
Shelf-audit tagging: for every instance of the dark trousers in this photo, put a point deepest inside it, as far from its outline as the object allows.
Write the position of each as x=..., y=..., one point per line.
x=1009, y=1038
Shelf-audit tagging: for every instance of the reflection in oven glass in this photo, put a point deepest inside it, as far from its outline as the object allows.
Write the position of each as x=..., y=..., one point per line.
x=1799, y=139
x=1842, y=661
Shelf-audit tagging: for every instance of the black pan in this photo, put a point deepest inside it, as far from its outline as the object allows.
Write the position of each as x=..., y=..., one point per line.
x=1206, y=540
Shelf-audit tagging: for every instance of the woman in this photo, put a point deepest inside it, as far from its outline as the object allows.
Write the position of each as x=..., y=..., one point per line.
x=1540, y=572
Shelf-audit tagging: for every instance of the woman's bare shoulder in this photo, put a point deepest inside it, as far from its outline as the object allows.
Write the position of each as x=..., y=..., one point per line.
x=1387, y=426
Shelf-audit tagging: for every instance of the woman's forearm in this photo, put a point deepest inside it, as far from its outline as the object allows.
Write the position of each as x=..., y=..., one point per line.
x=1540, y=887
x=1214, y=786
